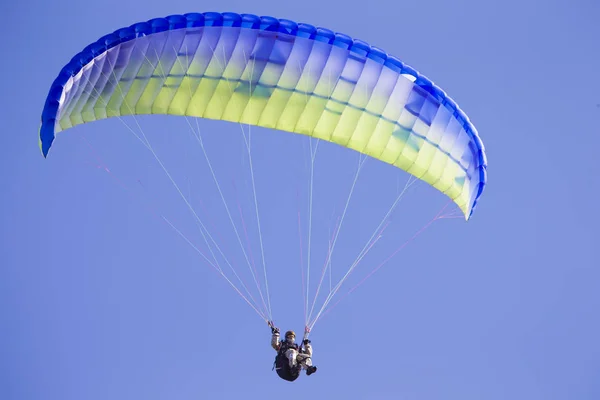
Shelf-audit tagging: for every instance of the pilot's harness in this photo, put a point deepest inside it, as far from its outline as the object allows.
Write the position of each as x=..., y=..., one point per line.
x=285, y=346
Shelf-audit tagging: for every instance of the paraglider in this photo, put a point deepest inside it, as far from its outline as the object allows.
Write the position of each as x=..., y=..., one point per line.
x=278, y=74
x=291, y=358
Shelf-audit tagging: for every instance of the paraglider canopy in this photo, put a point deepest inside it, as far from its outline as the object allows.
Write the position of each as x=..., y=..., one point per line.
x=277, y=74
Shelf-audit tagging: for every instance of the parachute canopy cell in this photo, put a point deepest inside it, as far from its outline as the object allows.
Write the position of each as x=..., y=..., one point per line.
x=277, y=74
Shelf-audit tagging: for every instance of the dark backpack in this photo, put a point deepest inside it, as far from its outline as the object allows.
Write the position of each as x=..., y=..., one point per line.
x=282, y=364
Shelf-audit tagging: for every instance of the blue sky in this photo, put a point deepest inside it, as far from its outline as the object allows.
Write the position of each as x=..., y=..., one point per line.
x=100, y=298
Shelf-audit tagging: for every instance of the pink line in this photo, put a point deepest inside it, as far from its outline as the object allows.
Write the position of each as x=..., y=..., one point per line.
x=302, y=267
x=128, y=189
x=245, y=230
x=301, y=256
x=386, y=260
x=372, y=243
x=327, y=259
